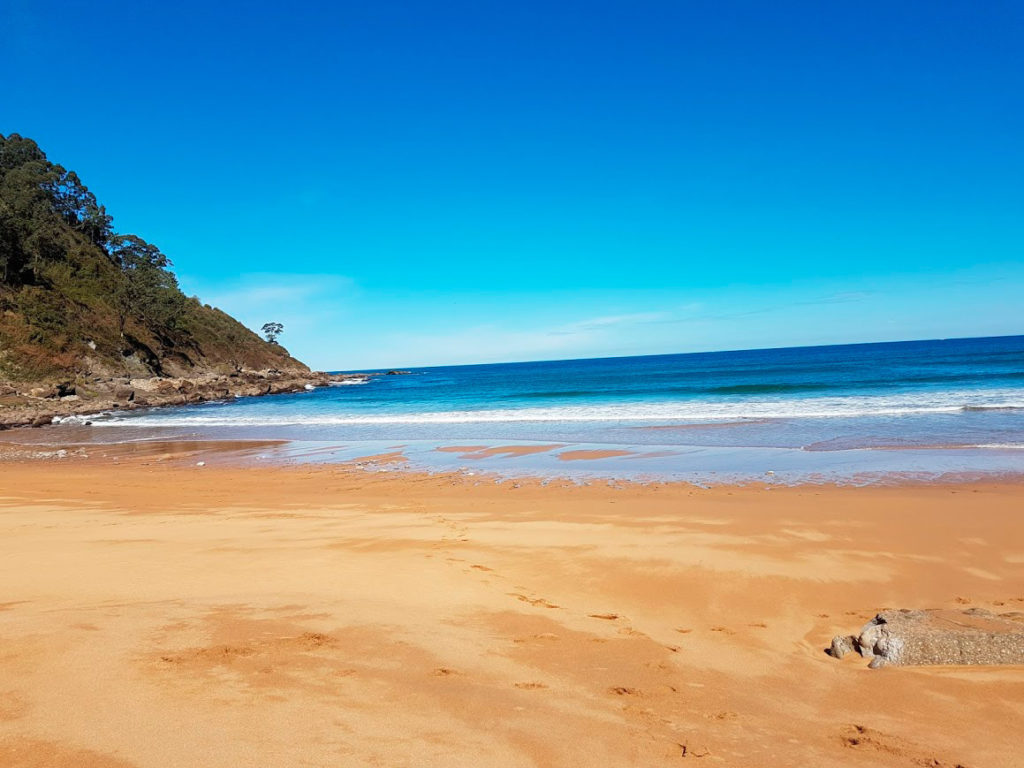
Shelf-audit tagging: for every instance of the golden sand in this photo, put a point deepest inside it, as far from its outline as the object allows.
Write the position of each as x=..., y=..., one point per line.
x=154, y=615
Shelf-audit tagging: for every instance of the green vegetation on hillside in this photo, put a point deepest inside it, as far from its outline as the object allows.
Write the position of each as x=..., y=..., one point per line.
x=78, y=299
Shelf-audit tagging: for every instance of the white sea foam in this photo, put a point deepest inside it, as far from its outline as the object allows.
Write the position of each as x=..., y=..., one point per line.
x=682, y=412
x=77, y=418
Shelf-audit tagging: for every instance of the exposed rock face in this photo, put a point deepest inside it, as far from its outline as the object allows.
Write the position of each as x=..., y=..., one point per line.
x=926, y=637
x=39, y=407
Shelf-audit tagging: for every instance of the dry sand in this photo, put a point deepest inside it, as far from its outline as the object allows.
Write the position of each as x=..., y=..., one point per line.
x=156, y=616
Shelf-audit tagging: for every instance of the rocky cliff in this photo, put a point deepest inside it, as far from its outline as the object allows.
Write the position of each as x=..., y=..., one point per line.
x=92, y=319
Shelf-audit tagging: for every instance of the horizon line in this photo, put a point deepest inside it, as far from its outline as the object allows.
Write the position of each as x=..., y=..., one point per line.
x=677, y=354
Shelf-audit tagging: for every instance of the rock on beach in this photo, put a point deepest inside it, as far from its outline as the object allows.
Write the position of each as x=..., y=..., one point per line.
x=931, y=637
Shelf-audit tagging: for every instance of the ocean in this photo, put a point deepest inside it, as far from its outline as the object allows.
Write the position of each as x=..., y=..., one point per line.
x=845, y=413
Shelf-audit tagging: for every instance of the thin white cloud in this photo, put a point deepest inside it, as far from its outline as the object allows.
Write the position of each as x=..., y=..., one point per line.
x=846, y=297
x=308, y=305
x=267, y=292
x=331, y=323
x=592, y=336
x=477, y=344
x=611, y=321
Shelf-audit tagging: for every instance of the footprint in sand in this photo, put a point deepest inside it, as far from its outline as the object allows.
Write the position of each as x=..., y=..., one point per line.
x=630, y=632
x=724, y=715
x=724, y=630
x=682, y=631
x=530, y=686
x=539, y=636
x=861, y=737
x=621, y=690
x=540, y=601
x=688, y=751
x=605, y=616
x=482, y=568
x=223, y=654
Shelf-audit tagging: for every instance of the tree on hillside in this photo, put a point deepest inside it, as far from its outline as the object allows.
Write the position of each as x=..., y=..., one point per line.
x=271, y=331
x=147, y=290
x=41, y=205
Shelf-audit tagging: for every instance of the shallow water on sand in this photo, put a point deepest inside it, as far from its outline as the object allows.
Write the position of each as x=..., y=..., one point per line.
x=927, y=408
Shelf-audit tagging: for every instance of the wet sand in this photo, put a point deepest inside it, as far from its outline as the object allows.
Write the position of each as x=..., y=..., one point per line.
x=160, y=614
x=504, y=451
x=588, y=455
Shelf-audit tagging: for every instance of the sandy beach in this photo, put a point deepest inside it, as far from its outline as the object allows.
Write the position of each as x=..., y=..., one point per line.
x=530, y=385
x=158, y=614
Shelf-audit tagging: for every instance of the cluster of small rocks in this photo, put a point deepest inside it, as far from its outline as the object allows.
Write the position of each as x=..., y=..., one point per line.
x=905, y=637
x=25, y=454
x=40, y=405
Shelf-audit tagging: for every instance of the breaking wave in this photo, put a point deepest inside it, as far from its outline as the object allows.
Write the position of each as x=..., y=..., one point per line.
x=263, y=413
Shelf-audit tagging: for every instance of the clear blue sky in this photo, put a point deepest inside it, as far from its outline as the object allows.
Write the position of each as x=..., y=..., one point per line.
x=414, y=183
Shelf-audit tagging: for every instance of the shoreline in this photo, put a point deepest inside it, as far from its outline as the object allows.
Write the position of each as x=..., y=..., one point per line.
x=501, y=460
x=37, y=406
x=321, y=614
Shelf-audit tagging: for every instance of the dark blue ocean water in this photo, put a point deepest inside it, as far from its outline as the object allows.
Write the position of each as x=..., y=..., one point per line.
x=949, y=394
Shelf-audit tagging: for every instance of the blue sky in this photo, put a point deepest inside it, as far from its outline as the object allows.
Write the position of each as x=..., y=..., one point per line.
x=416, y=183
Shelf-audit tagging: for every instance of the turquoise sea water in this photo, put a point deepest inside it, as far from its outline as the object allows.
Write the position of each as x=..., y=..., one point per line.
x=919, y=408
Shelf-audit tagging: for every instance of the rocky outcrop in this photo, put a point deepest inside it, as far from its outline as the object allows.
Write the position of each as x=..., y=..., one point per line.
x=39, y=406
x=905, y=637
